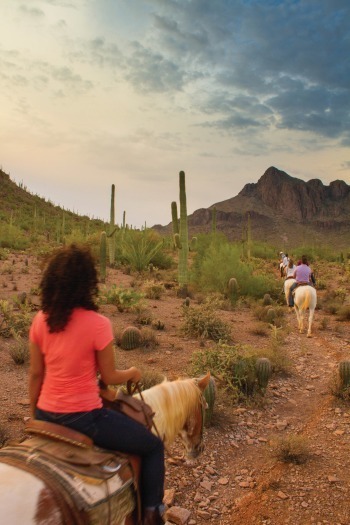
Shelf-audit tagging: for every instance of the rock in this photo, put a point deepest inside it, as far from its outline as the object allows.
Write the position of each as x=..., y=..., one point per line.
x=177, y=515
x=169, y=497
x=282, y=495
x=223, y=481
x=207, y=485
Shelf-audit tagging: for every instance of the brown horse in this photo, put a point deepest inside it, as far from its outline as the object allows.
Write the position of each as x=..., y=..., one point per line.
x=57, y=477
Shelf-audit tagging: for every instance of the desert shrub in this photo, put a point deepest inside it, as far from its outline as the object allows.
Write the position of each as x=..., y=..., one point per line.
x=153, y=290
x=144, y=317
x=162, y=260
x=123, y=298
x=269, y=314
x=324, y=323
x=13, y=238
x=148, y=338
x=235, y=366
x=19, y=351
x=4, y=254
x=321, y=284
x=150, y=378
x=158, y=324
x=213, y=269
x=263, y=251
x=140, y=248
x=267, y=300
x=293, y=448
x=260, y=330
x=203, y=321
x=343, y=313
x=14, y=322
x=338, y=387
x=340, y=293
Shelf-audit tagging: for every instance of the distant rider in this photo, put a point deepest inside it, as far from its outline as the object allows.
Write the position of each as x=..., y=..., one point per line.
x=302, y=275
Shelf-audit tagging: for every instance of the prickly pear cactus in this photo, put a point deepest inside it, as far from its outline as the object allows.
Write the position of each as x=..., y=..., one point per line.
x=263, y=371
x=130, y=338
x=344, y=373
x=210, y=396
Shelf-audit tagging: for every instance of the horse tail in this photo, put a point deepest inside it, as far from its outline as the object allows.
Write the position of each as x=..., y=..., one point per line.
x=307, y=299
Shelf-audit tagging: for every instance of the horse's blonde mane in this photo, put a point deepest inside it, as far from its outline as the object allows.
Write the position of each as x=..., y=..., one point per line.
x=172, y=402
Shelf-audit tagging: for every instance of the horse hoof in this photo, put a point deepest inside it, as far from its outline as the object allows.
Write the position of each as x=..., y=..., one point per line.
x=309, y=335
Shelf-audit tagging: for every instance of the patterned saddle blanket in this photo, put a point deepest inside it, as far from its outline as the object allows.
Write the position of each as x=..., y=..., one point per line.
x=92, y=485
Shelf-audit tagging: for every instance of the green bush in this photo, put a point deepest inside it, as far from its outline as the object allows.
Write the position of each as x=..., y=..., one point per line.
x=123, y=298
x=234, y=365
x=214, y=267
x=202, y=321
x=140, y=248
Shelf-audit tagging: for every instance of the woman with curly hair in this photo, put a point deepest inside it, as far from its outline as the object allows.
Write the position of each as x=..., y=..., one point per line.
x=70, y=342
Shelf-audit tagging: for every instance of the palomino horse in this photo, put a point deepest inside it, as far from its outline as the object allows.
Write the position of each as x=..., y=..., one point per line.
x=305, y=297
x=95, y=487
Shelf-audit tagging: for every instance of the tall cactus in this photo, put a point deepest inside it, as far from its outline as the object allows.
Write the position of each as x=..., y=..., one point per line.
x=183, y=252
x=112, y=229
x=213, y=220
x=175, y=221
x=249, y=237
x=103, y=257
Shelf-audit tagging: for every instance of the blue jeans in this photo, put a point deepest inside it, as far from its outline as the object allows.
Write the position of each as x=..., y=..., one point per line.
x=115, y=431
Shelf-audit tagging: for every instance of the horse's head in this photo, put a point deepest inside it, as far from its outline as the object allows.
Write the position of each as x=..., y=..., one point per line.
x=192, y=433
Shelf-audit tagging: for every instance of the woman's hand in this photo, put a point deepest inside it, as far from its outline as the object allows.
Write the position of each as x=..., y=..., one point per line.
x=135, y=374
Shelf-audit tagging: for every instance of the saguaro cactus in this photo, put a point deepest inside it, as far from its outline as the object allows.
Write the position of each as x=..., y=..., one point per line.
x=103, y=256
x=112, y=229
x=175, y=221
x=183, y=252
x=213, y=220
x=249, y=237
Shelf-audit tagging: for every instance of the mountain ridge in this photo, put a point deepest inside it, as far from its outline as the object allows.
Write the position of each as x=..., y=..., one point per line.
x=283, y=209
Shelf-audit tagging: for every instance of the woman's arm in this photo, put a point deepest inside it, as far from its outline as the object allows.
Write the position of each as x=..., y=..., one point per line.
x=109, y=374
x=36, y=375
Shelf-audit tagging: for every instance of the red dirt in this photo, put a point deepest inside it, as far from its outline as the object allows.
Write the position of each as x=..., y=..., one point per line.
x=238, y=479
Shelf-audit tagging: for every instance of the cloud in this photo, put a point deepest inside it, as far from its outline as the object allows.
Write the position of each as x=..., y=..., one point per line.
x=31, y=11
x=150, y=71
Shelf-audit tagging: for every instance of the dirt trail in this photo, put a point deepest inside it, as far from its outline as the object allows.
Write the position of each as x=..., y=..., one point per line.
x=238, y=479
x=257, y=488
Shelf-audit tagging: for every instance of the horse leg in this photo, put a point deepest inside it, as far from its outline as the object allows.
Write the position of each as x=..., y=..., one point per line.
x=311, y=316
x=300, y=318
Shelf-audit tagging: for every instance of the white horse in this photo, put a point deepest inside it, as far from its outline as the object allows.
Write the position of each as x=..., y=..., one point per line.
x=286, y=286
x=36, y=489
x=305, y=297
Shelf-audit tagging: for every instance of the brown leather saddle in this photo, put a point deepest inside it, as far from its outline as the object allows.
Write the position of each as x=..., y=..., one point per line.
x=87, y=482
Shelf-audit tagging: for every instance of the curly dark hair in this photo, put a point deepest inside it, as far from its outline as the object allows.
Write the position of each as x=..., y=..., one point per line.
x=69, y=281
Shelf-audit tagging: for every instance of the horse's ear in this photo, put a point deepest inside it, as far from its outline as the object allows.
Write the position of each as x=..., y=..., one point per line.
x=204, y=381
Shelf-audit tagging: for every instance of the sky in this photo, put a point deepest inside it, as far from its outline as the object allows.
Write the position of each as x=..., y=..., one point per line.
x=130, y=92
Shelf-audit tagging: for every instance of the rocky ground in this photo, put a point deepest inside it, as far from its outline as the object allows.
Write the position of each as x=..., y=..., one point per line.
x=239, y=479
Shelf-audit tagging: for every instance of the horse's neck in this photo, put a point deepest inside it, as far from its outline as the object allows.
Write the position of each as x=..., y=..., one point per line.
x=171, y=401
